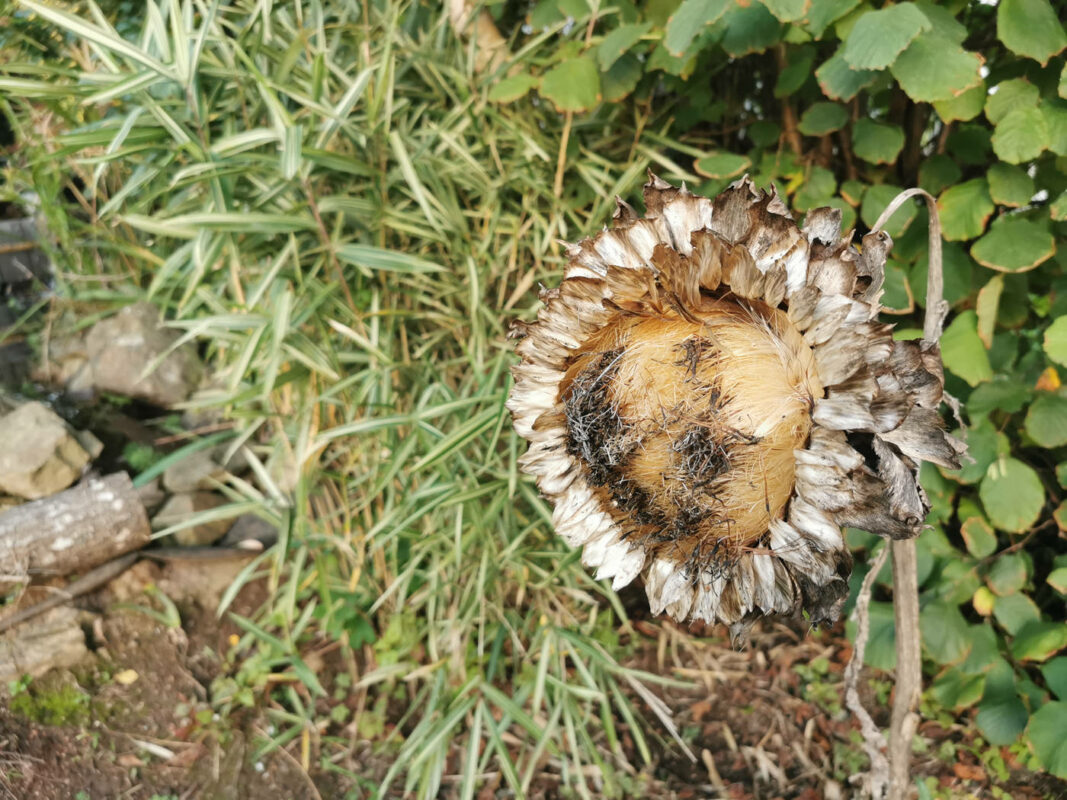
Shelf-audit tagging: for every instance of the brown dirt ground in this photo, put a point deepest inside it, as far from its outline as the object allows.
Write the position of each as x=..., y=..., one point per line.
x=763, y=722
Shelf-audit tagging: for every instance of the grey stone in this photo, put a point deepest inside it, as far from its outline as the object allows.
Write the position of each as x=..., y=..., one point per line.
x=251, y=533
x=180, y=508
x=18, y=265
x=40, y=454
x=193, y=472
x=152, y=495
x=123, y=347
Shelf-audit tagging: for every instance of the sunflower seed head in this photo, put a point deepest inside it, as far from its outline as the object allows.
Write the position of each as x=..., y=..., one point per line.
x=709, y=398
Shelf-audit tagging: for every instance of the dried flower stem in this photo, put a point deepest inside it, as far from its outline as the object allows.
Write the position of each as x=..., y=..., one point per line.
x=904, y=719
x=877, y=779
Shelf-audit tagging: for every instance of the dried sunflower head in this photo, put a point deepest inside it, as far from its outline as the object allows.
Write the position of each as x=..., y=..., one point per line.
x=709, y=398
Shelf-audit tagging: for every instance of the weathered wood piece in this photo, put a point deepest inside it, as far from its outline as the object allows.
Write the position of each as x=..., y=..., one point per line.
x=72, y=531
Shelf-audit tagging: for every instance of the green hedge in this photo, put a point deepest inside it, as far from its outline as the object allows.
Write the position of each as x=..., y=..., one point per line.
x=844, y=103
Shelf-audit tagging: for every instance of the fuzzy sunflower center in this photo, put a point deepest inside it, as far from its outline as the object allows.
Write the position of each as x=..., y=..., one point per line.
x=689, y=425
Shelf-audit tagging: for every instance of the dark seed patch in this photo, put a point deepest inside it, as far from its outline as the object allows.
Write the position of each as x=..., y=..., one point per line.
x=701, y=457
x=693, y=351
x=596, y=433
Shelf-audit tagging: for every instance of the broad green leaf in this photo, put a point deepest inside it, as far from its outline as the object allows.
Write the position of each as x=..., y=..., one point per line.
x=1002, y=393
x=1055, y=113
x=984, y=444
x=881, y=644
x=1055, y=675
x=1056, y=341
x=1048, y=736
x=932, y=68
x=944, y=632
x=1058, y=207
x=1057, y=579
x=510, y=89
x=979, y=537
x=683, y=65
x=688, y=20
x=1030, y=28
x=958, y=272
x=795, y=73
x=944, y=21
x=1046, y=420
x=1012, y=495
x=965, y=209
x=572, y=85
x=1021, y=135
x=876, y=142
x=822, y=118
x=1061, y=90
x=721, y=165
x=985, y=652
x=824, y=12
x=937, y=173
x=750, y=29
x=983, y=601
x=817, y=190
x=878, y=37
x=988, y=303
x=852, y=192
x=956, y=690
x=1010, y=95
x=787, y=10
x=622, y=78
x=963, y=352
x=970, y=144
x=897, y=297
x=1008, y=574
x=1014, y=244
x=1039, y=641
x=965, y=106
x=839, y=81
x=1010, y=185
x=620, y=41
x=1015, y=611
x=876, y=199
x=763, y=133
x=1001, y=715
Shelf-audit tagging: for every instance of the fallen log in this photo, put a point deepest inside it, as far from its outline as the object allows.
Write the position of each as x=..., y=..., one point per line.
x=72, y=531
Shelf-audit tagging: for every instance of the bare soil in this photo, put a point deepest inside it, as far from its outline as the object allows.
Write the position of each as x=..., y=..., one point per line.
x=763, y=722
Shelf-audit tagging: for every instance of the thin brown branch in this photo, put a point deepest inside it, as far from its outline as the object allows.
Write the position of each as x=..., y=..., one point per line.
x=904, y=720
x=875, y=781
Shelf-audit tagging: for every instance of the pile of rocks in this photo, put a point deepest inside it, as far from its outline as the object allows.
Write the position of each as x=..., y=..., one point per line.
x=134, y=355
